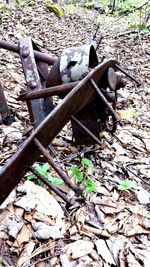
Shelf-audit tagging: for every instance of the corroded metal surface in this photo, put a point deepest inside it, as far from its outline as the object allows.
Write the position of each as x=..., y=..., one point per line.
x=39, y=55
x=75, y=63
x=35, y=73
x=36, y=107
x=28, y=153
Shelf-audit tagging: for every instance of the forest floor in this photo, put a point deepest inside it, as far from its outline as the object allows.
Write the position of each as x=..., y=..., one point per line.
x=112, y=227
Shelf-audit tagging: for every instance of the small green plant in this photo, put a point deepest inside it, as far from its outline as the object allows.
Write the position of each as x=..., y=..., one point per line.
x=44, y=170
x=89, y=4
x=20, y=3
x=56, y=9
x=83, y=176
x=4, y=9
x=126, y=185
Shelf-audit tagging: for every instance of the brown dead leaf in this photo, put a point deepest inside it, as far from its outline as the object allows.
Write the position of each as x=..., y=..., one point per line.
x=43, y=248
x=95, y=231
x=73, y=230
x=26, y=254
x=132, y=261
x=65, y=261
x=104, y=252
x=78, y=249
x=112, y=208
x=23, y=237
x=14, y=228
x=116, y=247
x=81, y=215
x=44, y=231
x=84, y=261
x=39, y=199
x=133, y=226
x=145, y=223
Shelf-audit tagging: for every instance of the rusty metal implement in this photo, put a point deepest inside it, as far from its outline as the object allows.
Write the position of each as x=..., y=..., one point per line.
x=81, y=83
x=28, y=153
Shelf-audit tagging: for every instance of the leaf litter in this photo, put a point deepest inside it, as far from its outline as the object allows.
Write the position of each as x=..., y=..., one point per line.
x=112, y=228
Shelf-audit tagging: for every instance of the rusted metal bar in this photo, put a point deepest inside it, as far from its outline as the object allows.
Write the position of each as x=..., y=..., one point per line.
x=56, y=167
x=43, y=71
x=128, y=75
x=52, y=187
x=59, y=91
x=36, y=107
x=39, y=55
x=4, y=110
x=28, y=153
x=102, y=97
x=97, y=141
x=51, y=91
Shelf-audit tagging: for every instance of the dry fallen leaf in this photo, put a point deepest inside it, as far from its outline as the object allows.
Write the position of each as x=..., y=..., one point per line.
x=78, y=249
x=14, y=227
x=25, y=254
x=39, y=199
x=44, y=231
x=104, y=252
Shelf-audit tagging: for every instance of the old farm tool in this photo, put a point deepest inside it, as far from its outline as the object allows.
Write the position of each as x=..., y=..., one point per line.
x=85, y=101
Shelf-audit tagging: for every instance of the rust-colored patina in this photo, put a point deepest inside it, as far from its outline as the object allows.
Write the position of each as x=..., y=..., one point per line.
x=28, y=153
x=81, y=83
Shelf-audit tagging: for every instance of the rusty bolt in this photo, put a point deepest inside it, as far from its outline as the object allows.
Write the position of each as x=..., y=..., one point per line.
x=32, y=84
x=25, y=52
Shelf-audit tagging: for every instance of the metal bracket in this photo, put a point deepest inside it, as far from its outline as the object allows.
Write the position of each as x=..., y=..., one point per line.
x=37, y=108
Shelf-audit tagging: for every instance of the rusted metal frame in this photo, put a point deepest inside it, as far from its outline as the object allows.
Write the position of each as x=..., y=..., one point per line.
x=88, y=118
x=55, y=166
x=39, y=55
x=128, y=75
x=52, y=187
x=51, y=91
x=4, y=110
x=43, y=75
x=27, y=154
x=36, y=107
x=88, y=132
x=68, y=86
x=102, y=97
x=41, y=66
x=57, y=90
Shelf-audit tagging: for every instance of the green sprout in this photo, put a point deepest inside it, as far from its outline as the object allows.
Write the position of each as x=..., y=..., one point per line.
x=44, y=171
x=82, y=176
x=126, y=185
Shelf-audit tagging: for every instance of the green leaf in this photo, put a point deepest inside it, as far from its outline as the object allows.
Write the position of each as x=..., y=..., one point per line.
x=39, y=182
x=89, y=4
x=145, y=29
x=40, y=170
x=126, y=185
x=45, y=167
x=4, y=9
x=56, y=9
x=90, y=185
x=70, y=7
x=87, y=162
x=57, y=181
x=31, y=177
x=77, y=173
x=20, y=3
x=32, y=3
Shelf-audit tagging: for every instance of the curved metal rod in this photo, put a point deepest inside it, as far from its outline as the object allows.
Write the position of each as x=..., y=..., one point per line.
x=112, y=111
